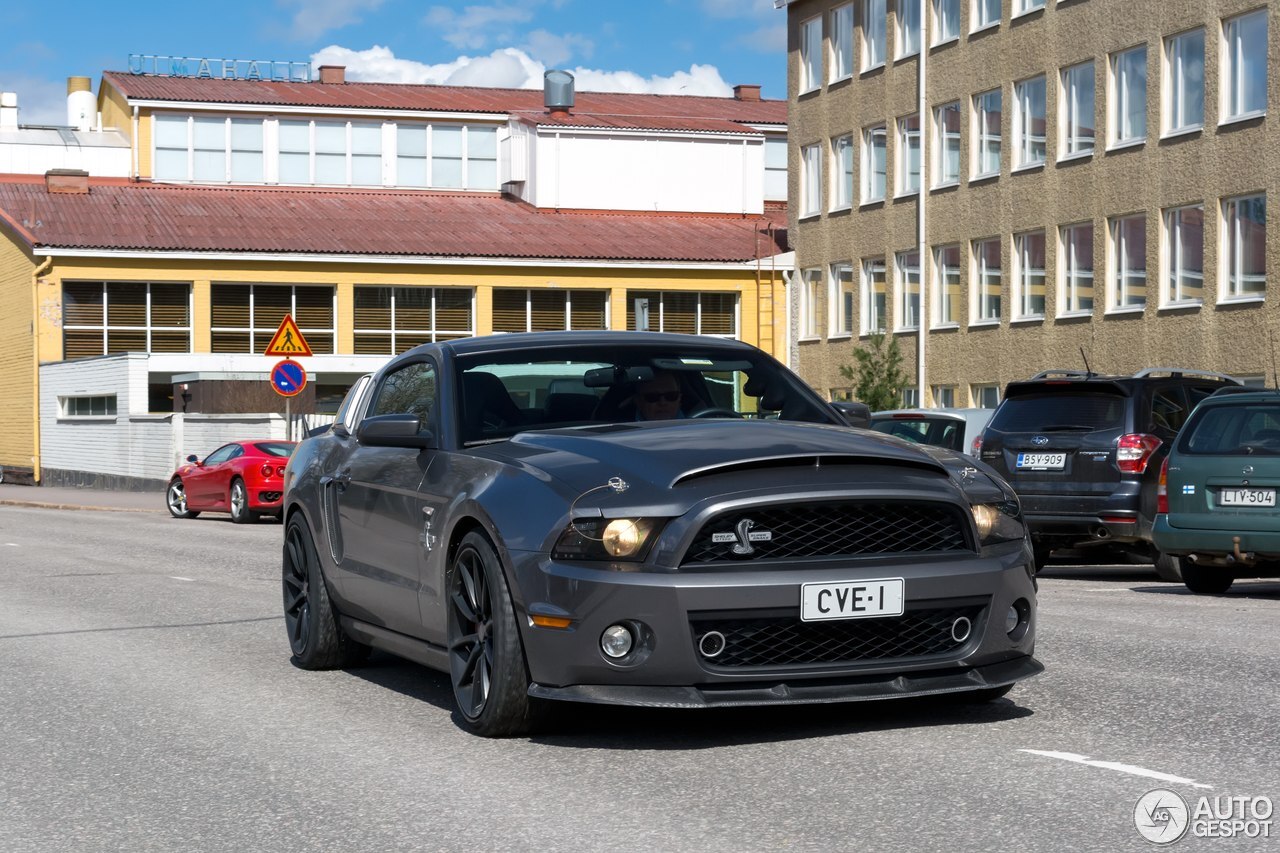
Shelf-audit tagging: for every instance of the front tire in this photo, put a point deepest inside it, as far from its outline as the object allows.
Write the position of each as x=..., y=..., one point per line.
x=315, y=637
x=486, y=657
x=1205, y=579
x=175, y=498
x=238, y=500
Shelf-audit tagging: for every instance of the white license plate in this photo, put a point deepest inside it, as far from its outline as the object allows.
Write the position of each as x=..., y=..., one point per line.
x=851, y=599
x=1247, y=497
x=1042, y=461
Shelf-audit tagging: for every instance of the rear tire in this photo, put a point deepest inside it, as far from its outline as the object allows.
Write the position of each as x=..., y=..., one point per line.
x=315, y=636
x=1168, y=567
x=238, y=500
x=1206, y=579
x=175, y=498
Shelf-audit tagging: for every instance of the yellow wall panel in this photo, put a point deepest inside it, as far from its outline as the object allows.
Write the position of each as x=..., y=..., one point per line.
x=17, y=355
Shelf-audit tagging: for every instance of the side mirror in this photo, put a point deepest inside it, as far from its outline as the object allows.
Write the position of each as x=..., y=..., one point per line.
x=853, y=413
x=193, y=459
x=340, y=429
x=402, y=430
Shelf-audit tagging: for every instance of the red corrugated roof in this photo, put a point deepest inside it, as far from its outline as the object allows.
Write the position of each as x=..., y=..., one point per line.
x=677, y=112
x=118, y=215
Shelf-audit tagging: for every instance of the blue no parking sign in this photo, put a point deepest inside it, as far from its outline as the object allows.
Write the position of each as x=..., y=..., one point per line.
x=288, y=378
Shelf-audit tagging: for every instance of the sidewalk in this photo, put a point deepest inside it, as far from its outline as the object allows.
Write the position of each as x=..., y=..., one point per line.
x=61, y=497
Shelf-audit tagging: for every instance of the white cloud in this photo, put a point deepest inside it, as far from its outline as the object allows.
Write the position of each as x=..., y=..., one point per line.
x=314, y=18
x=513, y=69
x=476, y=27
x=554, y=50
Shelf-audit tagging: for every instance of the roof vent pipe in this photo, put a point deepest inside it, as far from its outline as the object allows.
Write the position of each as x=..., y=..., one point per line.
x=9, y=111
x=557, y=91
x=82, y=107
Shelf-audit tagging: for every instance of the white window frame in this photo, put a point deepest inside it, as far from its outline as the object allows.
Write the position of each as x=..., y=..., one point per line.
x=871, y=171
x=1173, y=106
x=1231, y=73
x=906, y=20
x=434, y=333
x=1232, y=248
x=258, y=333
x=811, y=180
x=946, y=311
x=981, y=139
x=841, y=300
x=1077, y=112
x=944, y=397
x=944, y=12
x=149, y=326
x=1026, y=7
x=1076, y=283
x=1124, y=93
x=775, y=168
x=1023, y=277
x=70, y=407
x=1122, y=282
x=875, y=36
x=810, y=283
x=842, y=160
x=873, y=309
x=979, y=390
x=911, y=397
x=226, y=148
x=841, y=42
x=907, y=315
x=1022, y=139
x=979, y=277
x=906, y=179
x=1173, y=274
x=942, y=140
x=810, y=54
x=979, y=15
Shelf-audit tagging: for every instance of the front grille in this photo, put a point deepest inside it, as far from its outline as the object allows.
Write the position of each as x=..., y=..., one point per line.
x=787, y=641
x=830, y=529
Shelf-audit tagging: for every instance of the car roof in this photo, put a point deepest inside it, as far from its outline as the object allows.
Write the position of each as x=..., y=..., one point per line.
x=1243, y=394
x=547, y=340
x=952, y=413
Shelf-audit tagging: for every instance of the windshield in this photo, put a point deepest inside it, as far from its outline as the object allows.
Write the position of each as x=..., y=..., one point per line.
x=1063, y=411
x=1239, y=430
x=275, y=448
x=505, y=393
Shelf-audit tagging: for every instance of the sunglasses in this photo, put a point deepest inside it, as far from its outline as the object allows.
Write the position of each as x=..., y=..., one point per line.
x=655, y=396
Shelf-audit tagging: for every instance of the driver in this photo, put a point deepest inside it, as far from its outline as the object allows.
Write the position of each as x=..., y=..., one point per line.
x=658, y=399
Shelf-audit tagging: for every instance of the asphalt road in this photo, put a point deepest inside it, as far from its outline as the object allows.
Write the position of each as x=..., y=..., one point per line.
x=147, y=703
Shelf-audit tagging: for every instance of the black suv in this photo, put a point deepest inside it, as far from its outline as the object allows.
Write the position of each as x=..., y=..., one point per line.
x=1084, y=451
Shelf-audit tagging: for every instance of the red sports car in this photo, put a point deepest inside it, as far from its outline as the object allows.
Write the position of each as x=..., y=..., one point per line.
x=244, y=478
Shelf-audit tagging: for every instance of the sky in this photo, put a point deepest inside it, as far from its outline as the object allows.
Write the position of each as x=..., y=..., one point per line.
x=695, y=47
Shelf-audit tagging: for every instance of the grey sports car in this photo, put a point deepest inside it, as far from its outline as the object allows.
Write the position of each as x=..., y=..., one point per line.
x=646, y=519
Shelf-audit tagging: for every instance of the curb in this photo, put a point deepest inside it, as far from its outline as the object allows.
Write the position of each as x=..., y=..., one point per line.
x=44, y=505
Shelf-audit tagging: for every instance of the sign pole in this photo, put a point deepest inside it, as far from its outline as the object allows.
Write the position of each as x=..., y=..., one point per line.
x=288, y=419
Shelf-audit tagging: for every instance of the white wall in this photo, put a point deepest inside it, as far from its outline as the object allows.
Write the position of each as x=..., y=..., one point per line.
x=36, y=151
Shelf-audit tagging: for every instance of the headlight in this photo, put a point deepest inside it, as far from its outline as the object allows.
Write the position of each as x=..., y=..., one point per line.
x=607, y=539
x=998, y=522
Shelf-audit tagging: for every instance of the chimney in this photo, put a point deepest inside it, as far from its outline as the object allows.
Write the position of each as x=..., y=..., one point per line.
x=746, y=93
x=8, y=111
x=82, y=106
x=333, y=73
x=557, y=92
x=69, y=181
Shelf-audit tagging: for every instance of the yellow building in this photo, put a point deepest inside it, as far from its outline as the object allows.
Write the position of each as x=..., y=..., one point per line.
x=379, y=217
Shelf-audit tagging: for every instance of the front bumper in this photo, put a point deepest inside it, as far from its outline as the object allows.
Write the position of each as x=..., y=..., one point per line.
x=670, y=609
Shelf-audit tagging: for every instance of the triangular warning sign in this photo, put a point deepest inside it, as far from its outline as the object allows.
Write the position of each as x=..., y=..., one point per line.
x=288, y=340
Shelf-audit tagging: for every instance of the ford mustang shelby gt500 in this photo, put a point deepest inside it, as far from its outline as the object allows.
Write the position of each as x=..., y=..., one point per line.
x=646, y=519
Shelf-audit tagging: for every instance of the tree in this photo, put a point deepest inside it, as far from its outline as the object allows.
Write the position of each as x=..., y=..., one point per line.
x=878, y=374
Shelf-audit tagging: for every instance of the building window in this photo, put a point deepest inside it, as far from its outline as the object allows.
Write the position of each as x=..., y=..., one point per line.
x=1077, y=114
x=1029, y=123
x=1129, y=95
x=1022, y=7
x=549, y=309
x=841, y=42
x=874, y=166
x=1076, y=276
x=1184, y=81
x=107, y=317
x=910, y=397
x=986, y=13
x=1184, y=255
x=946, y=291
x=842, y=151
x=209, y=149
x=1244, y=65
x=448, y=156
x=1128, y=261
x=811, y=180
x=985, y=396
x=244, y=317
x=100, y=406
x=988, y=280
x=908, y=19
x=811, y=281
x=987, y=117
x=944, y=396
x=1244, y=236
x=390, y=320
x=840, y=299
x=906, y=289
x=873, y=296
x=907, y=165
x=775, y=168
x=874, y=17
x=330, y=152
x=946, y=20
x=683, y=312
x=946, y=156
x=810, y=54
x=1028, y=275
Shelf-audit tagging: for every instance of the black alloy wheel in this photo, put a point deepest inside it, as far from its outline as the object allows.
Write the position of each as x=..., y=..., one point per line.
x=310, y=619
x=486, y=658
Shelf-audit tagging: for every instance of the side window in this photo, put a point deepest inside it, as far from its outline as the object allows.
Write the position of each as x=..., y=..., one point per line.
x=1168, y=409
x=412, y=389
x=222, y=454
x=952, y=436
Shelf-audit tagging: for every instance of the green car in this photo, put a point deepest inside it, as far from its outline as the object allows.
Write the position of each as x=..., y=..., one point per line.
x=1216, y=502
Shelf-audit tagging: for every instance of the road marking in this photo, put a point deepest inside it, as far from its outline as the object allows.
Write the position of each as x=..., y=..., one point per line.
x=176, y=578
x=11, y=545
x=1117, y=766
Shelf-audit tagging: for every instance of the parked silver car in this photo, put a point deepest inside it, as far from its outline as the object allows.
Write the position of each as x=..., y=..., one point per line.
x=954, y=429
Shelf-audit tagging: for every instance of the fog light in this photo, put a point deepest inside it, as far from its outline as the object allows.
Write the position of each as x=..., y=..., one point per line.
x=1011, y=619
x=616, y=641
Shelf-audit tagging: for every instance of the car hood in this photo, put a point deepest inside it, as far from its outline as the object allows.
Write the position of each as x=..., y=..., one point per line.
x=664, y=455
